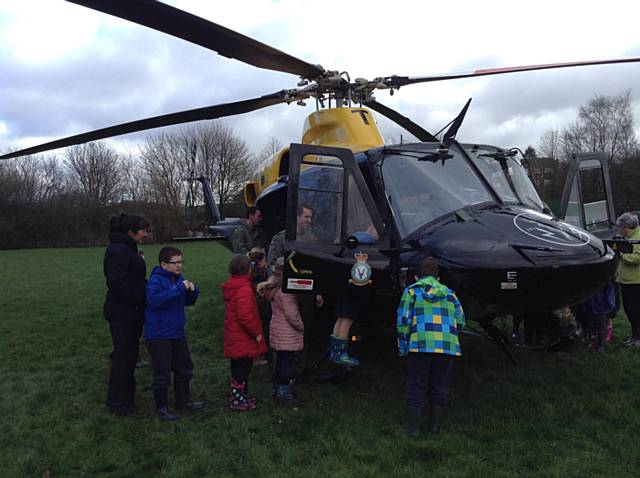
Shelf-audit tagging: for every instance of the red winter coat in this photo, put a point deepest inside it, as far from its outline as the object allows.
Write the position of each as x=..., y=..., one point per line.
x=241, y=320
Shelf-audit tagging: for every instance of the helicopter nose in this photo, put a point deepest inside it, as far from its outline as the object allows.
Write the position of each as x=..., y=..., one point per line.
x=520, y=260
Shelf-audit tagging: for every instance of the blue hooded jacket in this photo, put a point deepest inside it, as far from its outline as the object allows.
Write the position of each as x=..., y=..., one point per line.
x=166, y=300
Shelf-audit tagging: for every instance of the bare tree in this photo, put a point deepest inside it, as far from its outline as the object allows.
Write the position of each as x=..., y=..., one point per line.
x=134, y=183
x=273, y=146
x=166, y=161
x=95, y=169
x=549, y=144
x=223, y=158
x=33, y=179
x=604, y=124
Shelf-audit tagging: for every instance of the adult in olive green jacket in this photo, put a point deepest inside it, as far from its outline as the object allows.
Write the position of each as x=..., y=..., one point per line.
x=628, y=275
x=249, y=235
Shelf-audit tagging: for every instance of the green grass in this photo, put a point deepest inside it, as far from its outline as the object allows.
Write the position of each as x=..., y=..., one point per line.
x=554, y=414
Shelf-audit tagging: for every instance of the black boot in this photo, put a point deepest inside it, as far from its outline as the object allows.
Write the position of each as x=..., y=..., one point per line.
x=162, y=410
x=412, y=427
x=435, y=414
x=182, y=398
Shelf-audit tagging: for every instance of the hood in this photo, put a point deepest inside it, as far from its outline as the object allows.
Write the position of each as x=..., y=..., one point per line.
x=269, y=288
x=122, y=238
x=230, y=288
x=433, y=290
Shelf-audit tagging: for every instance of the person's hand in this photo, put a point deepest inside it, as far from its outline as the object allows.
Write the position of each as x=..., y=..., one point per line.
x=319, y=300
x=259, y=338
x=189, y=285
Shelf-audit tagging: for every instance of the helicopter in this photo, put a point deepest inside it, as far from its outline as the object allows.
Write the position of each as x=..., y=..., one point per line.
x=377, y=208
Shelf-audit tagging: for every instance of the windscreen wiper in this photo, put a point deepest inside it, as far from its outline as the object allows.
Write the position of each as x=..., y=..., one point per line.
x=441, y=154
x=499, y=155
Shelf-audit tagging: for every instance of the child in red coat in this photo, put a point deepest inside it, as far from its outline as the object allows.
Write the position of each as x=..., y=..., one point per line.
x=243, y=336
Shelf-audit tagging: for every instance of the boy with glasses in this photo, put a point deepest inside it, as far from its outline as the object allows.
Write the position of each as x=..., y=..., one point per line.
x=167, y=295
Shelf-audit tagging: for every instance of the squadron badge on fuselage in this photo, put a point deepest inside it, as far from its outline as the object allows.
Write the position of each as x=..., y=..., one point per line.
x=361, y=271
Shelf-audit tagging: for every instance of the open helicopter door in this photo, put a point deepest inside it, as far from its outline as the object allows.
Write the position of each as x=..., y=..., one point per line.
x=334, y=233
x=587, y=200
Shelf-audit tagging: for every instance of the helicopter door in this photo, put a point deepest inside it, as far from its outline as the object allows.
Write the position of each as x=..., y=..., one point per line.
x=586, y=199
x=332, y=224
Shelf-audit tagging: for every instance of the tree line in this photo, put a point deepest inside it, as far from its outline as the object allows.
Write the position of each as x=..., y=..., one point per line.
x=604, y=124
x=66, y=200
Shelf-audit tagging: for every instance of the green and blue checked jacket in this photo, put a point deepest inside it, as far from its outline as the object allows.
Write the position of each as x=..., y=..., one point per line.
x=429, y=318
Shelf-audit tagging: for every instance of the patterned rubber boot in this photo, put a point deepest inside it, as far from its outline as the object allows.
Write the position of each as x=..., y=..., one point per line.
x=343, y=356
x=334, y=348
x=237, y=398
x=284, y=395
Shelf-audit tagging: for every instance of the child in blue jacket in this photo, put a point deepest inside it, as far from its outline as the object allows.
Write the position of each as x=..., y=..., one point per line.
x=167, y=295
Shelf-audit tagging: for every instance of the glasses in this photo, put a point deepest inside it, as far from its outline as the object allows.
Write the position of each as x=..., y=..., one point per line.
x=175, y=262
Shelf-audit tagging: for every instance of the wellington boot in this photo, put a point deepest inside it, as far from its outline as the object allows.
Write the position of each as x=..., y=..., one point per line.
x=435, y=415
x=284, y=396
x=412, y=427
x=343, y=357
x=237, y=398
x=334, y=348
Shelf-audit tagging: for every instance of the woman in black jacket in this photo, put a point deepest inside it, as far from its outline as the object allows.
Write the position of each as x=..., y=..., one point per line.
x=125, y=272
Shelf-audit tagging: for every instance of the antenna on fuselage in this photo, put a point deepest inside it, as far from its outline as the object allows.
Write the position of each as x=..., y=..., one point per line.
x=455, y=124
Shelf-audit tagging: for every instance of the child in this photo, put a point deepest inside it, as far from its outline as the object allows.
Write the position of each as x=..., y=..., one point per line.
x=429, y=318
x=286, y=333
x=167, y=295
x=597, y=309
x=259, y=274
x=243, y=337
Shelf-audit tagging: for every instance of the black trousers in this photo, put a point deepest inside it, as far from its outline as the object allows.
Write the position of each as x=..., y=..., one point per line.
x=125, y=337
x=428, y=374
x=631, y=303
x=285, y=369
x=241, y=368
x=168, y=356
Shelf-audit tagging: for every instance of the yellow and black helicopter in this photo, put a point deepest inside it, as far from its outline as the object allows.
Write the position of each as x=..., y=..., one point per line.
x=377, y=208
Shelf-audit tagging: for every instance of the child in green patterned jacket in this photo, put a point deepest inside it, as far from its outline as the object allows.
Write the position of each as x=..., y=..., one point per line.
x=429, y=320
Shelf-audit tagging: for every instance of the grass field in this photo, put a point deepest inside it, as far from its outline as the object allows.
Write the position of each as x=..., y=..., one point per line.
x=555, y=414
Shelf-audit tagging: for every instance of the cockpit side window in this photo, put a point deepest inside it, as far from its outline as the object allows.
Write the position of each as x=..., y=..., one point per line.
x=359, y=222
x=320, y=191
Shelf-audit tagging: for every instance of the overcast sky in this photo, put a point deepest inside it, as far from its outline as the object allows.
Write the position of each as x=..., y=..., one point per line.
x=65, y=69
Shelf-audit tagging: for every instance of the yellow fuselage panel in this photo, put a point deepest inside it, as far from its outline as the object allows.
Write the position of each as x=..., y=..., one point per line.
x=266, y=174
x=353, y=128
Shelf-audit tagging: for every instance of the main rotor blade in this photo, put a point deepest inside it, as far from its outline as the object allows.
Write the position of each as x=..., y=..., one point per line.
x=208, y=112
x=398, y=81
x=406, y=123
x=226, y=42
